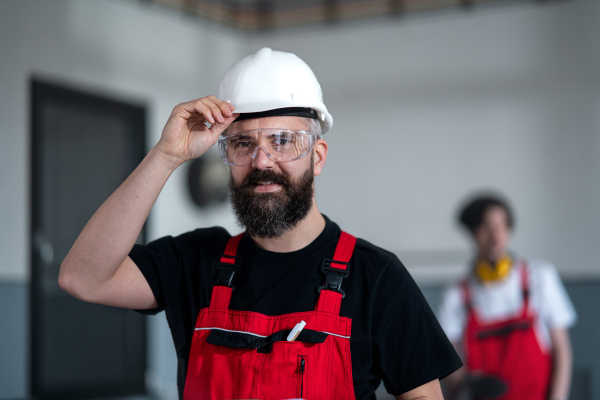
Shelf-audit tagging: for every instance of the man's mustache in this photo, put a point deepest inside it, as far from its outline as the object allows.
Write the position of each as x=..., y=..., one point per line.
x=258, y=176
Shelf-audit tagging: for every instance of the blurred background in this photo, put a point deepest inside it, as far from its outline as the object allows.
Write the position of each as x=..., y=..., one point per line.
x=431, y=100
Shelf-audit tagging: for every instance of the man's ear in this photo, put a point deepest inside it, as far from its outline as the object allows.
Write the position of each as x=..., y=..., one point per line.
x=320, y=155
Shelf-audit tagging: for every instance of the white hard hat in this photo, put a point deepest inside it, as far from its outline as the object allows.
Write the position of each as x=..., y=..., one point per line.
x=270, y=80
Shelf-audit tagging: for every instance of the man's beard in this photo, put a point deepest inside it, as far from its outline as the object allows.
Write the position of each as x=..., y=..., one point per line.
x=270, y=215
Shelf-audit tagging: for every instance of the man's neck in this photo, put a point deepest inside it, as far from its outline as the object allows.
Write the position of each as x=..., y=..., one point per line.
x=300, y=236
x=492, y=258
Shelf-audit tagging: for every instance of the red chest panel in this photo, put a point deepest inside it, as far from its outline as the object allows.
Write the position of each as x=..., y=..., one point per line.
x=246, y=355
x=509, y=349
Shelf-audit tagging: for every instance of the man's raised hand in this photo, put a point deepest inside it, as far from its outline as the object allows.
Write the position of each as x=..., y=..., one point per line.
x=186, y=135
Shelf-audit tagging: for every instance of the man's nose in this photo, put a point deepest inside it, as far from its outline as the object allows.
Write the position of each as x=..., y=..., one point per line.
x=262, y=159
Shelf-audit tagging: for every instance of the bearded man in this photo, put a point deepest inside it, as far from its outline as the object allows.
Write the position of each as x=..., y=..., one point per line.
x=292, y=308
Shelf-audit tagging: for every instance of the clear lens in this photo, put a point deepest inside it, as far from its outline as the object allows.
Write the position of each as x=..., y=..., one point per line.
x=279, y=144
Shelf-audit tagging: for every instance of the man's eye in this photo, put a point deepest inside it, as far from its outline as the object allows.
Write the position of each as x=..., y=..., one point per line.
x=242, y=144
x=283, y=140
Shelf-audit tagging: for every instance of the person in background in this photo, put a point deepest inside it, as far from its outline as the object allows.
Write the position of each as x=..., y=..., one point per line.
x=292, y=308
x=508, y=317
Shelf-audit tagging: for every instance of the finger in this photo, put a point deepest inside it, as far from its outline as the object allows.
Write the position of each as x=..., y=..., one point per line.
x=214, y=108
x=199, y=109
x=206, y=109
x=192, y=111
x=202, y=109
x=218, y=128
x=224, y=105
x=197, y=118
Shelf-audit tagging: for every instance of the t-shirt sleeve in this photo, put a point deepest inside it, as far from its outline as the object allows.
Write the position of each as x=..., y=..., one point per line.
x=170, y=265
x=410, y=346
x=557, y=309
x=151, y=259
x=451, y=313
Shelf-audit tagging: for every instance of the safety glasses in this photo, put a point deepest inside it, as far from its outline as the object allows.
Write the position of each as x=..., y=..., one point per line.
x=279, y=145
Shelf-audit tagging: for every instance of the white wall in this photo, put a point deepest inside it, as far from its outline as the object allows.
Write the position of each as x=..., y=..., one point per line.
x=123, y=49
x=430, y=107
x=427, y=108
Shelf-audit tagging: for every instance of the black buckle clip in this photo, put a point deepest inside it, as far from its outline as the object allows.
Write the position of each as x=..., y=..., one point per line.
x=226, y=271
x=334, y=276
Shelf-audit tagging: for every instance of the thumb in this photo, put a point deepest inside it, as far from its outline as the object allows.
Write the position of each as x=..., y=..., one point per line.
x=217, y=128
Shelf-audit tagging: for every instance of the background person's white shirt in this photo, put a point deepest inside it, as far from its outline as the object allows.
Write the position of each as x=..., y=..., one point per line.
x=504, y=299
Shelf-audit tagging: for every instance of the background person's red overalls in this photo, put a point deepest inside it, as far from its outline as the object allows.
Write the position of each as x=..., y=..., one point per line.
x=509, y=349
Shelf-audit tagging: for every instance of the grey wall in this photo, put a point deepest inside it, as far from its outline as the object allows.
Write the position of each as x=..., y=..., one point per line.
x=14, y=352
x=14, y=333
x=586, y=374
x=427, y=108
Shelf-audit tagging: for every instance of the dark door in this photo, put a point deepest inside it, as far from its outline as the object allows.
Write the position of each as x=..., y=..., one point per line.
x=83, y=146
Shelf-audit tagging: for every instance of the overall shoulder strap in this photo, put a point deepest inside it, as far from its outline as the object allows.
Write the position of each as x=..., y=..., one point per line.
x=335, y=270
x=467, y=297
x=525, y=287
x=466, y=293
x=228, y=265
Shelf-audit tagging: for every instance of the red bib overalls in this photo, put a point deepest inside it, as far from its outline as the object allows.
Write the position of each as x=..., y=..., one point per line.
x=509, y=349
x=245, y=355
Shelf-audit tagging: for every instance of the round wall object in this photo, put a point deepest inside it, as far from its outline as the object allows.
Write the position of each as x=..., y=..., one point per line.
x=208, y=179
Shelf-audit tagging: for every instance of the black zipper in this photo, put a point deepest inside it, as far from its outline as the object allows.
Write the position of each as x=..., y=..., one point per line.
x=302, y=370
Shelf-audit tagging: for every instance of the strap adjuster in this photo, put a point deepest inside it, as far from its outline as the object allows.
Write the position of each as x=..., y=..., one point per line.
x=226, y=270
x=236, y=265
x=327, y=268
x=334, y=276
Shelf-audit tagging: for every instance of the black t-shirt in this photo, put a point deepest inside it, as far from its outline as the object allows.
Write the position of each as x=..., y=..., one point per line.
x=395, y=336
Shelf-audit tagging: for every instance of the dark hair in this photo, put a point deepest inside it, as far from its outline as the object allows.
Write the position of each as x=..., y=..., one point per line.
x=473, y=212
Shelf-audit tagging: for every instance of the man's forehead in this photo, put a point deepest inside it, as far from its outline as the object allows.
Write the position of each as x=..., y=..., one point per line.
x=296, y=123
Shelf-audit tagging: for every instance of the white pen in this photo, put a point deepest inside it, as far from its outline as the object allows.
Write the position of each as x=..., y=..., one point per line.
x=296, y=331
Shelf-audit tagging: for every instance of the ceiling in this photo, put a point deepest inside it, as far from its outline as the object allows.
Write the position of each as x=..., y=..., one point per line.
x=258, y=15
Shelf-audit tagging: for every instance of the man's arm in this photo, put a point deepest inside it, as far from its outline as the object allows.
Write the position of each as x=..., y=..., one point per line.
x=561, y=364
x=428, y=391
x=97, y=269
x=453, y=384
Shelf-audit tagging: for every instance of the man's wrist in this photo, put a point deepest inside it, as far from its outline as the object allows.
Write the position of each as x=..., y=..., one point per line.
x=168, y=161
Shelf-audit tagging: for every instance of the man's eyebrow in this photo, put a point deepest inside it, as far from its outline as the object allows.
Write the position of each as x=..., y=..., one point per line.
x=279, y=132
x=242, y=137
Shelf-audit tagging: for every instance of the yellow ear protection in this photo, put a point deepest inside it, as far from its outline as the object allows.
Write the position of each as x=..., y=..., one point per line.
x=489, y=273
